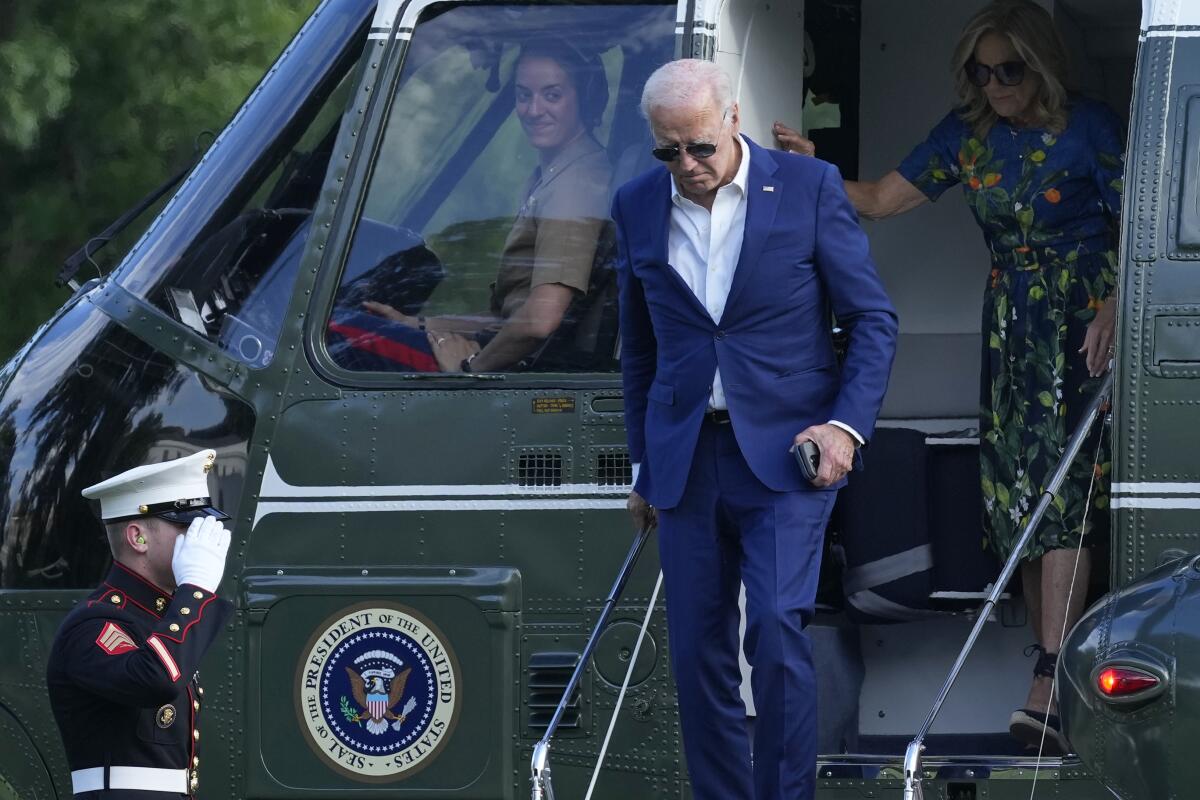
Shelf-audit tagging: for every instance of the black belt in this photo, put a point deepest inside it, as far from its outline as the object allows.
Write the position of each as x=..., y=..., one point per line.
x=717, y=416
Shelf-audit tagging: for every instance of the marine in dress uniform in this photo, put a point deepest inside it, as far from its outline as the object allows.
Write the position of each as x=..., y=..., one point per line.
x=122, y=675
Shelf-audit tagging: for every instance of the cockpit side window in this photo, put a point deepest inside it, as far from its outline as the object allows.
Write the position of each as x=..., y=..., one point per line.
x=235, y=280
x=484, y=242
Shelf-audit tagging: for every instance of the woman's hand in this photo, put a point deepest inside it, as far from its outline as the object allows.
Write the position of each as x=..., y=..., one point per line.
x=1098, y=342
x=450, y=349
x=789, y=140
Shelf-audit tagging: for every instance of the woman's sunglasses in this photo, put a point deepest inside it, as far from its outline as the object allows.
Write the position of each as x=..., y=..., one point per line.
x=1010, y=73
x=699, y=150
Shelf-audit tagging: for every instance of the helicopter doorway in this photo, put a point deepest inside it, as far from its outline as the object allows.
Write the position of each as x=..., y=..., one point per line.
x=866, y=80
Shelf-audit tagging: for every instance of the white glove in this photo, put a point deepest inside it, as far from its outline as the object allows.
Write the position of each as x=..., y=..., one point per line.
x=199, y=557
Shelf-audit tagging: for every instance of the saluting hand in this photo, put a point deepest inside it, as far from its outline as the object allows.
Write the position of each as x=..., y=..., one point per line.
x=789, y=140
x=837, y=452
x=199, y=558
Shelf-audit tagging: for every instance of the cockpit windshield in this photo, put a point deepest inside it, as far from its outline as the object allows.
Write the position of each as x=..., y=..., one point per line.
x=224, y=256
x=484, y=243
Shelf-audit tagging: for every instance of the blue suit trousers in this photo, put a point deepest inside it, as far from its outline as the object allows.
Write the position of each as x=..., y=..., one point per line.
x=730, y=529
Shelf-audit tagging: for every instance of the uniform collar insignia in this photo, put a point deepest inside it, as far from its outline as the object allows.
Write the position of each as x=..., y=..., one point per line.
x=140, y=592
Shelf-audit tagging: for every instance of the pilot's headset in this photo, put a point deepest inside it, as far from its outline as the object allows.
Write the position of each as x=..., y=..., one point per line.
x=585, y=70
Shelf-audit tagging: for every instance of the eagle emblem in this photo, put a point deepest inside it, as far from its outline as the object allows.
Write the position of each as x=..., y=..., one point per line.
x=377, y=690
x=384, y=684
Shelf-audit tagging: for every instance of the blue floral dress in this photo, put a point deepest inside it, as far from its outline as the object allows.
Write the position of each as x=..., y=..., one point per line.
x=1048, y=204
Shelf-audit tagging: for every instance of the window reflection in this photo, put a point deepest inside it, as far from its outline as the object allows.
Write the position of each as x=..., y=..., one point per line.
x=485, y=243
x=91, y=400
x=233, y=283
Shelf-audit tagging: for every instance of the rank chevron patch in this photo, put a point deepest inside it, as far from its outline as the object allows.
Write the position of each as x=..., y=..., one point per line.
x=114, y=641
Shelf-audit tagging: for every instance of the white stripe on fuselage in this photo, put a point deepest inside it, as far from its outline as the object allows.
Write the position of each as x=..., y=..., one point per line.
x=361, y=506
x=1155, y=495
x=274, y=486
x=1148, y=487
x=1157, y=502
x=277, y=496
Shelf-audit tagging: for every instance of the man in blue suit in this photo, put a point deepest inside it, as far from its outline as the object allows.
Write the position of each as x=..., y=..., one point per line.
x=731, y=262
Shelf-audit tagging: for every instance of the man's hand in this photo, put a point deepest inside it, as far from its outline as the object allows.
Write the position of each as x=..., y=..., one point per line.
x=644, y=515
x=837, y=452
x=450, y=349
x=789, y=140
x=387, y=312
x=199, y=557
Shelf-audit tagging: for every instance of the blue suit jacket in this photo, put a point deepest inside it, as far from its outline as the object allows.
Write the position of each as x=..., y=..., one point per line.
x=803, y=255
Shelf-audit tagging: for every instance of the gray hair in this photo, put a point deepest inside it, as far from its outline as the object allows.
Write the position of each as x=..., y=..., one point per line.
x=687, y=82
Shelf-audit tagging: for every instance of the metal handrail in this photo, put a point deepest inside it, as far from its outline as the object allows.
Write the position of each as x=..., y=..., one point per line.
x=539, y=765
x=912, y=755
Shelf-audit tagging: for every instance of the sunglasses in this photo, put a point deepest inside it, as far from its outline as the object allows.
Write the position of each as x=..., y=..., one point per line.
x=700, y=150
x=697, y=150
x=1010, y=73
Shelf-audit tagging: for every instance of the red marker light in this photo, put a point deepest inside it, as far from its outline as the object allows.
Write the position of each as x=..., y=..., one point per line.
x=1124, y=681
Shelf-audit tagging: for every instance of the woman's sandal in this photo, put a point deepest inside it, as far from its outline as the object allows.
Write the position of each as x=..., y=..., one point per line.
x=1029, y=727
x=1036, y=728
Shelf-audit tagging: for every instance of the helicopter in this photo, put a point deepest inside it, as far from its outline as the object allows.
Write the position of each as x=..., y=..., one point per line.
x=476, y=517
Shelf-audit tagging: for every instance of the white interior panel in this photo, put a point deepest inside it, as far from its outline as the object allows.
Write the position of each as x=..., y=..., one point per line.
x=932, y=260
x=767, y=77
x=917, y=656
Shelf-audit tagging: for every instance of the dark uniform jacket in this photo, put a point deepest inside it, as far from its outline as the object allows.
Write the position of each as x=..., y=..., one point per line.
x=124, y=687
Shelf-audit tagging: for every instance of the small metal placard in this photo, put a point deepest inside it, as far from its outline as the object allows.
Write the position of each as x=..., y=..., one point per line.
x=554, y=405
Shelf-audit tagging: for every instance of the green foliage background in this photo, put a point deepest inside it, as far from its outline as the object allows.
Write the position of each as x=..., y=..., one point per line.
x=99, y=103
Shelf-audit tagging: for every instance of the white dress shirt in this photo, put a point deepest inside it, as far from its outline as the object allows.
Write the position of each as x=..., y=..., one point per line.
x=703, y=247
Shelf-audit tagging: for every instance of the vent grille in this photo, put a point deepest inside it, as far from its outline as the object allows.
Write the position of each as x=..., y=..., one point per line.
x=549, y=674
x=540, y=469
x=613, y=469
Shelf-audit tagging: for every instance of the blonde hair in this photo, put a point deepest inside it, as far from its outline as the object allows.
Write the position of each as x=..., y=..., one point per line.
x=1032, y=33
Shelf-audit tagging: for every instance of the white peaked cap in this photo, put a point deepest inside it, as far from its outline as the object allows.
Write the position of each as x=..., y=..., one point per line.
x=174, y=490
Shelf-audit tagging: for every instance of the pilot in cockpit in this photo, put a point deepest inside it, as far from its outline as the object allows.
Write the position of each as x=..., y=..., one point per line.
x=546, y=262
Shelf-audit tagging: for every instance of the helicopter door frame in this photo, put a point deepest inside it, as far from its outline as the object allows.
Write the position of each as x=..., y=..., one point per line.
x=754, y=40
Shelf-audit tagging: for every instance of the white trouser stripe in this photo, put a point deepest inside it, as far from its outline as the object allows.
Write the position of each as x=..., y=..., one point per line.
x=146, y=779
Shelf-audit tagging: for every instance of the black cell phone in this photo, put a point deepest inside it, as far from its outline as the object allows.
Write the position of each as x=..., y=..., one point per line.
x=808, y=456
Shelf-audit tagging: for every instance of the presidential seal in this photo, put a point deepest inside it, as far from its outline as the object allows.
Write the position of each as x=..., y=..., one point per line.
x=378, y=692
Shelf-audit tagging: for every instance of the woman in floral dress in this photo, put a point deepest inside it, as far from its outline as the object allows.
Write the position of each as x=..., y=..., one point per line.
x=1041, y=171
